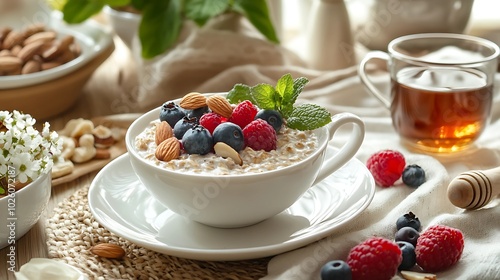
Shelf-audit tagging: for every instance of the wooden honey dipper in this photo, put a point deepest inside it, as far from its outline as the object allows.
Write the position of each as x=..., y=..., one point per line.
x=474, y=189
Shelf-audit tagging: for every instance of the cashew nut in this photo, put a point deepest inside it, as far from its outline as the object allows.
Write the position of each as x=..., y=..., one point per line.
x=86, y=150
x=62, y=168
x=81, y=128
x=68, y=147
x=70, y=126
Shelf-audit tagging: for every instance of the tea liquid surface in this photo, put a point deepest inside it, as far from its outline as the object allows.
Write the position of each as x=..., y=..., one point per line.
x=442, y=109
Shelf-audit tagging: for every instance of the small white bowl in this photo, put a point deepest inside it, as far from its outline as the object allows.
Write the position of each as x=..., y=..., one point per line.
x=229, y=201
x=21, y=210
x=125, y=24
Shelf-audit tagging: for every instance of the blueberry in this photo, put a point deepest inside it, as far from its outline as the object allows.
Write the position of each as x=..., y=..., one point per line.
x=407, y=234
x=230, y=134
x=413, y=176
x=171, y=113
x=182, y=126
x=272, y=117
x=197, y=113
x=197, y=140
x=409, y=256
x=408, y=220
x=336, y=270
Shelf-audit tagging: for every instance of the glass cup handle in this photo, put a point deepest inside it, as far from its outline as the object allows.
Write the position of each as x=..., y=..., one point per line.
x=366, y=80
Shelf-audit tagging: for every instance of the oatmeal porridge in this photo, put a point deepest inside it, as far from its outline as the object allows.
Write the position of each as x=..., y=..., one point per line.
x=292, y=146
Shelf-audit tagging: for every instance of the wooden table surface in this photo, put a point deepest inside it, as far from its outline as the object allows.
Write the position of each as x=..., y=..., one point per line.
x=112, y=81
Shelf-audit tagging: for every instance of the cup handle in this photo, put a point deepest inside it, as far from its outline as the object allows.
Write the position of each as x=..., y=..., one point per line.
x=364, y=77
x=350, y=147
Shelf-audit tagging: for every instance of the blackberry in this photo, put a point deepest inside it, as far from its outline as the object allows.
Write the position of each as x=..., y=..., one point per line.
x=408, y=220
x=407, y=234
x=182, y=126
x=197, y=140
x=409, y=255
x=171, y=113
x=272, y=117
x=413, y=175
x=336, y=269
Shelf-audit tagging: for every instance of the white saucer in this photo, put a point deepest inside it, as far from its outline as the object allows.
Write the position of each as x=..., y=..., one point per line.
x=121, y=204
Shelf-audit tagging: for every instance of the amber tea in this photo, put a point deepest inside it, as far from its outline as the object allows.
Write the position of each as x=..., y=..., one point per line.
x=440, y=109
x=441, y=90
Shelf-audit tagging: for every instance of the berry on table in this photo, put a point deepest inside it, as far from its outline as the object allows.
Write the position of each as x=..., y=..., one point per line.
x=408, y=254
x=408, y=220
x=439, y=247
x=386, y=166
x=272, y=117
x=197, y=140
x=182, y=126
x=413, y=175
x=171, y=113
x=243, y=113
x=211, y=120
x=336, y=270
x=407, y=234
x=231, y=134
x=259, y=135
x=376, y=258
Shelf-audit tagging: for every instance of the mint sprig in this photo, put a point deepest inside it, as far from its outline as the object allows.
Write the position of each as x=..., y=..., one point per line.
x=282, y=98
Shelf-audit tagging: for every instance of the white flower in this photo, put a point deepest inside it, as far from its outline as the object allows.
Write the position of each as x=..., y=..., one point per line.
x=22, y=147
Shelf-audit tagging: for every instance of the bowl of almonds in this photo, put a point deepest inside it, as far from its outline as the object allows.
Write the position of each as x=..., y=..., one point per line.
x=49, y=64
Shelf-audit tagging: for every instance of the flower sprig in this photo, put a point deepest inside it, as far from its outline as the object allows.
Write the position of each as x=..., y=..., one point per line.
x=24, y=149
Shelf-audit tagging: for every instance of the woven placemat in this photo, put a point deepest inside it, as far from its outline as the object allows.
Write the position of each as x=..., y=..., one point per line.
x=72, y=231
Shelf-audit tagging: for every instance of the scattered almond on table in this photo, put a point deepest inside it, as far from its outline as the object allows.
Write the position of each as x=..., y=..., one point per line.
x=108, y=250
x=34, y=49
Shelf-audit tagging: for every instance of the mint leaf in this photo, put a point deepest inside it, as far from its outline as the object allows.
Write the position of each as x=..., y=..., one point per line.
x=117, y=3
x=77, y=11
x=265, y=96
x=257, y=13
x=200, y=11
x=160, y=26
x=239, y=93
x=308, y=117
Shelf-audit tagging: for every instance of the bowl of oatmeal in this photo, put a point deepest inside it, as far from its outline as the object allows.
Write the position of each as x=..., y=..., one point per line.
x=224, y=192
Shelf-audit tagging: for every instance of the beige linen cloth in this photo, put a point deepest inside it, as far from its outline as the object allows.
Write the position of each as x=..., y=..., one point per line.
x=214, y=59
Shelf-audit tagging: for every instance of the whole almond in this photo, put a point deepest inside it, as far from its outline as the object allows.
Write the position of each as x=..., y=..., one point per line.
x=10, y=63
x=219, y=105
x=50, y=65
x=31, y=66
x=108, y=250
x=168, y=150
x=29, y=50
x=3, y=33
x=193, y=100
x=163, y=132
x=6, y=53
x=13, y=38
x=45, y=36
x=34, y=28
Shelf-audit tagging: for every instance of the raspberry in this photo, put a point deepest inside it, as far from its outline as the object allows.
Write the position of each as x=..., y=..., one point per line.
x=259, y=135
x=439, y=247
x=211, y=120
x=376, y=258
x=386, y=167
x=243, y=113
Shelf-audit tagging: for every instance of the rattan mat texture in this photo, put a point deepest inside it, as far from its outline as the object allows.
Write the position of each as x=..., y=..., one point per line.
x=72, y=231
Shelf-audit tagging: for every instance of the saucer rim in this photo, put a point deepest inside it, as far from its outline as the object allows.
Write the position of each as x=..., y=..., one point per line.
x=231, y=254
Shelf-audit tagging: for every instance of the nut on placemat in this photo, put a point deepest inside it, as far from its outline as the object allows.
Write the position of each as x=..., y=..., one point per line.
x=72, y=232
